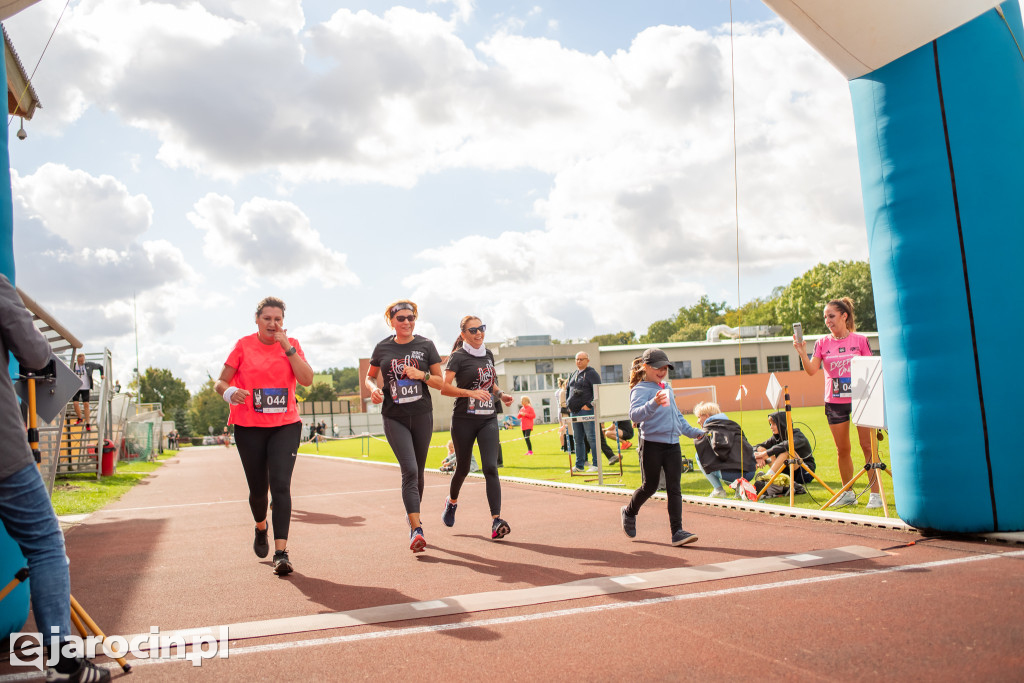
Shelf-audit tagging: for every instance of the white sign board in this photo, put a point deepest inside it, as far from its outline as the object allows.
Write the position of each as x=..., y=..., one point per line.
x=868, y=396
x=774, y=391
x=613, y=400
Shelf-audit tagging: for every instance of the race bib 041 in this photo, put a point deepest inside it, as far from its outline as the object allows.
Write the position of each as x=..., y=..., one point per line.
x=407, y=391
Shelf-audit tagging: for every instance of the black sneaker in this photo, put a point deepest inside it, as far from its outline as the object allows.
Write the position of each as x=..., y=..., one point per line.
x=260, y=544
x=499, y=529
x=282, y=565
x=449, y=512
x=628, y=523
x=86, y=672
x=682, y=537
x=417, y=543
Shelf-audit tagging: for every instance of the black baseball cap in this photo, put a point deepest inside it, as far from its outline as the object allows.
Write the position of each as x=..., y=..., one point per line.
x=656, y=358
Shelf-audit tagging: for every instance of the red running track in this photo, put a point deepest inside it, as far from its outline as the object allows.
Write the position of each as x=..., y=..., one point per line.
x=176, y=553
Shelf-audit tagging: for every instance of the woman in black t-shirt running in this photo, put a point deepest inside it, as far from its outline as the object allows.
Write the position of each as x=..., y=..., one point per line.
x=409, y=364
x=471, y=368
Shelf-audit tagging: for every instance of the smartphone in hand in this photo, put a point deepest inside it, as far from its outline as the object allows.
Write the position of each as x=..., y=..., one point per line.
x=798, y=331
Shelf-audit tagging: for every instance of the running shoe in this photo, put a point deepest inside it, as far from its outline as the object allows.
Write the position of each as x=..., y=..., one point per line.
x=260, y=544
x=449, y=512
x=500, y=528
x=614, y=460
x=628, y=523
x=848, y=498
x=719, y=493
x=417, y=543
x=626, y=445
x=282, y=565
x=83, y=671
x=874, y=501
x=682, y=537
x=529, y=452
x=591, y=468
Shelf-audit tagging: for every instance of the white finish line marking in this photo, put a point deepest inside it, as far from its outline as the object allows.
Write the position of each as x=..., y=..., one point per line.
x=802, y=558
x=574, y=590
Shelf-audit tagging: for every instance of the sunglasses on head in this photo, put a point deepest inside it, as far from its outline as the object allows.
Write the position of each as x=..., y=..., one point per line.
x=404, y=318
x=474, y=330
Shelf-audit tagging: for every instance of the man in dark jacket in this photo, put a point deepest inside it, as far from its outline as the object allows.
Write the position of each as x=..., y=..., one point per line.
x=723, y=452
x=777, y=445
x=580, y=399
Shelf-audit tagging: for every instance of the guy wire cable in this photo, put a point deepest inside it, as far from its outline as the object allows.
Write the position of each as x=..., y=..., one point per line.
x=24, y=90
x=736, y=210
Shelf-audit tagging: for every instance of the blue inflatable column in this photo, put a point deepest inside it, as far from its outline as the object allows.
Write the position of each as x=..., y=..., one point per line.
x=13, y=608
x=940, y=134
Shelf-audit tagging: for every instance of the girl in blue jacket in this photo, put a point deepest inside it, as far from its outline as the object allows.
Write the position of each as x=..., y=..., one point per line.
x=652, y=406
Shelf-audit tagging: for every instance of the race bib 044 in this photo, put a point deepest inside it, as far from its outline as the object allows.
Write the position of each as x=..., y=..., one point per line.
x=270, y=400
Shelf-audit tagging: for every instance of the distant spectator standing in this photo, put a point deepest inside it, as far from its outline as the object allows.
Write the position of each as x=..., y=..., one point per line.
x=84, y=370
x=526, y=417
x=580, y=400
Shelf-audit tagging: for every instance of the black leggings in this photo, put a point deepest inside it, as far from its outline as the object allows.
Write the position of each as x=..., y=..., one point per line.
x=485, y=434
x=526, y=435
x=268, y=458
x=409, y=438
x=655, y=457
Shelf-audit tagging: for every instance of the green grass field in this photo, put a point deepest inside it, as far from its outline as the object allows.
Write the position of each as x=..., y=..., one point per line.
x=549, y=463
x=79, y=494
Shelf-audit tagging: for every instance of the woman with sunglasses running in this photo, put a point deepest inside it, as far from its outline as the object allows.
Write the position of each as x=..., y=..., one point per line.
x=410, y=363
x=471, y=368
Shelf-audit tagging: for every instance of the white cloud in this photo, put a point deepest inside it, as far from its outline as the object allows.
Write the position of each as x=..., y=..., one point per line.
x=268, y=240
x=85, y=211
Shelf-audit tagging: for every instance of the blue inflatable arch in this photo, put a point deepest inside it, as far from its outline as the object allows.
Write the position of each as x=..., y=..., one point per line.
x=938, y=100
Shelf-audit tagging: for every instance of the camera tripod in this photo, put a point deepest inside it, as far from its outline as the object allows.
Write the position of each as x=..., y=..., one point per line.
x=79, y=617
x=793, y=460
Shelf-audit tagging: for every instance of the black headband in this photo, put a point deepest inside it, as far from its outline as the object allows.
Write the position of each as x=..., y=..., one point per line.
x=400, y=307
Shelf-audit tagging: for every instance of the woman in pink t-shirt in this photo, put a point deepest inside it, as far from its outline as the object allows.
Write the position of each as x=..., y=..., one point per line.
x=833, y=354
x=258, y=382
x=526, y=417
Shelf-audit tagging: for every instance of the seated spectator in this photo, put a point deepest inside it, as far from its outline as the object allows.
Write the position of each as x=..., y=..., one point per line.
x=775, y=450
x=625, y=432
x=449, y=462
x=723, y=453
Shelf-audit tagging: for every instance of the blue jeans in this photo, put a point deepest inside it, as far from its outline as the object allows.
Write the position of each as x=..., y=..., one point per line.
x=28, y=515
x=584, y=433
x=723, y=478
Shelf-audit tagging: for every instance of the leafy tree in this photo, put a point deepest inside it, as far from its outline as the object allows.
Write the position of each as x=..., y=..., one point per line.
x=616, y=339
x=704, y=313
x=181, y=423
x=806, y=296
x=690, y=332
x=321, y=392
x=754, y=312
x=208, y=410
x=659, y=332
x=158, y=385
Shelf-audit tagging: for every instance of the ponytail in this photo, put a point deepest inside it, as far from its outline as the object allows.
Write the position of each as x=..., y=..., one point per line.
x=462, y=328
x=637, y=372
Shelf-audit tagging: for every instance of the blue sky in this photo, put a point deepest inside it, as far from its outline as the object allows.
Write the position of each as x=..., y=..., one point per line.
x=559, y=167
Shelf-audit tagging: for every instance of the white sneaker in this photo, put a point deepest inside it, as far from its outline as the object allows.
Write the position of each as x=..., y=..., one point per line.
x=848, y=498
x=874, y=501
x=591, y=468
x=719, y=493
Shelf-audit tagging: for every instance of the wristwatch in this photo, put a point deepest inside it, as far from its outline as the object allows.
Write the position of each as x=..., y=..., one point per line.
x=426, y=375
x=291, y=352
